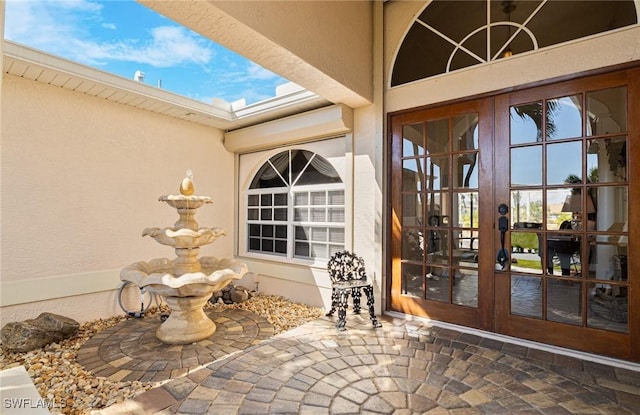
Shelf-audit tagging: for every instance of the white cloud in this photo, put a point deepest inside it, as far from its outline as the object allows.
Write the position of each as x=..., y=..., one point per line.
x=42, y=24
x=168, y=46
x=78, y=30
x=59, y=27
x=255, y=71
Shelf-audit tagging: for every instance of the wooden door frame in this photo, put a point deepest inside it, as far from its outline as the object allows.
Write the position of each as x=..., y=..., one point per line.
x=482, y=316
x=631, y=73
x=616, y=344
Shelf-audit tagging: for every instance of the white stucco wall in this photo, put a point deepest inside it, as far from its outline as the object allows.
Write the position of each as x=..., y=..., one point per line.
x=356, y=156
x=81, y=177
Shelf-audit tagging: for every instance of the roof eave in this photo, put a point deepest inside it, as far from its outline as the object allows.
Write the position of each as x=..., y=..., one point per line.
x=42, y=67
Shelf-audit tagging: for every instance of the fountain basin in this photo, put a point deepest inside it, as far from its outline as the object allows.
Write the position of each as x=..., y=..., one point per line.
x=186, y=294
x=185, y=201
x=184, y=237
x=159, y=276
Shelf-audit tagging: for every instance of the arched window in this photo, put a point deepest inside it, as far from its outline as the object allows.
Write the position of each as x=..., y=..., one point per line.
x=451, y=35
x=295, y=207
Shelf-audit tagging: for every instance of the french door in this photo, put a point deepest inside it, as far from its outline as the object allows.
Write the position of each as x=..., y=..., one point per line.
x=440, y=187
x=517, y=214
x=566, y=177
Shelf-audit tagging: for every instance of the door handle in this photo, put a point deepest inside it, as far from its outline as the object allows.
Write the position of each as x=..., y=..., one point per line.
x=503, y=226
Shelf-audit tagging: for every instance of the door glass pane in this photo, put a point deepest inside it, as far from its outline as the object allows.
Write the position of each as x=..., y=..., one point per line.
x=526, y=123
x=526, y=296
x=564, y=117
x=438, y=136
x=437, y=280
x=563, y=301
x=607, y=160
x=465, y=287
x=412, y=140
x=465, y=171
x=526, y=166
x=437, y=173
x=608, y=307
x=563, y=254
x=560, y=206
x=466, y=210
x=564, y=163
x=465, y=248
x=412, y=280
x=608, y=257
x=437, y=247
x=465, y=132
x=525, y=248
x=438, y=209
x=607, y=111
x=412, y=209
x=412, y=244
x=526, y=209
x=611, y=208
x=411, y=175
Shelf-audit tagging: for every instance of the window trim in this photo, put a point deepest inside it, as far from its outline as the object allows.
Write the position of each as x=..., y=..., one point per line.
x=332, y=151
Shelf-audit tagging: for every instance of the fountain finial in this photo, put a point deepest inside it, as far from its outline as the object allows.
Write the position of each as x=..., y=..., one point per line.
x=186, y=187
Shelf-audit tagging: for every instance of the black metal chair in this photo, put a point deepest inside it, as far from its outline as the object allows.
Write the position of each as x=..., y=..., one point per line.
x=348, y=277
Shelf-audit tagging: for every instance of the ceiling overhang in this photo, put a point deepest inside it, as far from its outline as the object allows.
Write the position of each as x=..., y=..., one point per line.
x=214, y=20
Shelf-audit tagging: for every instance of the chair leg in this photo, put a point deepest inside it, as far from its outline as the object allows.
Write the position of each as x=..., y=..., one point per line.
x=368, y=290
x=356, y=295
x=334, y=302
x=343, y=296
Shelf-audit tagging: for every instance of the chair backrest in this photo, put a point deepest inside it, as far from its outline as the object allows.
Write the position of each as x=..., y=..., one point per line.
x=346, y=266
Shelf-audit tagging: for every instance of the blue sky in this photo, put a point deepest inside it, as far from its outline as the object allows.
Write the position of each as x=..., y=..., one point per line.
x=122, y=37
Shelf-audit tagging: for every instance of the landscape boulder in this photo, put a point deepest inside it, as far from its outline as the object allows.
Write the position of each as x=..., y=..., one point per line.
x=31, y=334
x=231, y=294
x=239, y=294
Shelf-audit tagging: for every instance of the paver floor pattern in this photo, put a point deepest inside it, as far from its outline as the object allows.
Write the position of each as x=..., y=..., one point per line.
x=404, y=367
x=131, y=351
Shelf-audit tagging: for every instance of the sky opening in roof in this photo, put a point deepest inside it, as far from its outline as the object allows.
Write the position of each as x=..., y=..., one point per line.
x=122, y=37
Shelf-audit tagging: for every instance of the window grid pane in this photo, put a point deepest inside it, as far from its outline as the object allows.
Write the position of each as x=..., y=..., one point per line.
x=268, y=238
x=316, y=221
x=318, y=242
x=318, y=207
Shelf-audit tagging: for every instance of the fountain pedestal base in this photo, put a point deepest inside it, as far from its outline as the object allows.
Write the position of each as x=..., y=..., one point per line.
x=187, y=323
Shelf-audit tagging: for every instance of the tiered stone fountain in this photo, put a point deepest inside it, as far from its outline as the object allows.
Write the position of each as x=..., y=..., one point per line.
x=186, y=283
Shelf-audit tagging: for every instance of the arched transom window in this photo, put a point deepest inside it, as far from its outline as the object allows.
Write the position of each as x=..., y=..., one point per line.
x=450, y=35
x=296, y=207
